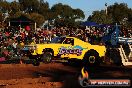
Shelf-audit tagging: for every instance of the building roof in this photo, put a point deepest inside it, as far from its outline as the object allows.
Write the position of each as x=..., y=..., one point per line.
x=22, y=20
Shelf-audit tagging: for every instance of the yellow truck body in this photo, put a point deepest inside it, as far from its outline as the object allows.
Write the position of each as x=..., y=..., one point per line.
x=66, y=50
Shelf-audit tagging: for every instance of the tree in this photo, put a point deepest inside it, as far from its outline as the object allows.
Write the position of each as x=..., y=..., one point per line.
x=39, y=19
x=29, y=5
x=78, y=14
x=4, y=6
x=14, y=9
x=117, y=13
x=130, y=15
x=44, y=9
x=39, y=11
x=1, y=17
x=15, y=6
x=18, y=14
x=100, y=17
x=65, y=15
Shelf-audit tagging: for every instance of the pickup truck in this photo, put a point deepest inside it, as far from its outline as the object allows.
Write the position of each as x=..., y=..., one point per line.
x=69, y=48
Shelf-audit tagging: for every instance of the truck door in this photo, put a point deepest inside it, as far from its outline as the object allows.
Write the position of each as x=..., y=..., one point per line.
x=67, y=47
x=70, y=50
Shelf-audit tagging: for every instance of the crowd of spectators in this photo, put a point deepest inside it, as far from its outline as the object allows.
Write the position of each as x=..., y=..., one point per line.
x=13, y=39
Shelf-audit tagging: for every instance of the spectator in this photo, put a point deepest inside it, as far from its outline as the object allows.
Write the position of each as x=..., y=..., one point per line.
x=23, y=37
x=15, y=47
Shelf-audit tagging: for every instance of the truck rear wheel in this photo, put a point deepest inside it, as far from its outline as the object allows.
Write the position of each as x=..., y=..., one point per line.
x=91, y=58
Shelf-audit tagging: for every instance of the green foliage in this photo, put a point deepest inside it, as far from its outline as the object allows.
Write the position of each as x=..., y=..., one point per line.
x=15, y=6
x=39, y=19
x=39, y=11
x=117, y=13
x=4, y=6
x=44, y=10
x=1, y=17
x=18, y=14
x=100, y=17
x=64, y=15
x=29, y=5
x=78, y=14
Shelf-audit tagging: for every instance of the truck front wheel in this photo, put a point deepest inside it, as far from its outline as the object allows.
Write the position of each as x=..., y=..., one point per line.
x=35, y=62
x=47, y=57
x=91, y=58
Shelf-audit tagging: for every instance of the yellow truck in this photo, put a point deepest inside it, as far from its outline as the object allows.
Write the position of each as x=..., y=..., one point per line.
x=68, y=48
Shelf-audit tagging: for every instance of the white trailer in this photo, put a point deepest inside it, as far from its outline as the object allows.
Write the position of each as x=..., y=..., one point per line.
x=126, y=53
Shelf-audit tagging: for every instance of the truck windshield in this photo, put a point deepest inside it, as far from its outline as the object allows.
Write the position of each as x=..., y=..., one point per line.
x=58, y=40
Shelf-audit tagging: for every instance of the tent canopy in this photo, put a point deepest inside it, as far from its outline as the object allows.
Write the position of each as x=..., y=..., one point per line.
x=89, y=23
x=105, y=25
x=22, y=20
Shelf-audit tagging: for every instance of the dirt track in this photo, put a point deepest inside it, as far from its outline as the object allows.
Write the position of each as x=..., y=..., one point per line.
x=44, y=76
x=54, y=75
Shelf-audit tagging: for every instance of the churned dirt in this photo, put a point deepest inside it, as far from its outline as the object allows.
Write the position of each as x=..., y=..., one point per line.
x=53, y=75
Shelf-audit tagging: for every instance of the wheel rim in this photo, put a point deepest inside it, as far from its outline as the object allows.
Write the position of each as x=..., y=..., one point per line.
x=48, y=58
x=92, y=59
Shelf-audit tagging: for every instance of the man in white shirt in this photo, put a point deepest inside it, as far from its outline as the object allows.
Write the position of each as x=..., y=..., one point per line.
x=15, y=47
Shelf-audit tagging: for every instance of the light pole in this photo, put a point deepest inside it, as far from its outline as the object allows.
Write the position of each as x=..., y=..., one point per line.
x=106, y=8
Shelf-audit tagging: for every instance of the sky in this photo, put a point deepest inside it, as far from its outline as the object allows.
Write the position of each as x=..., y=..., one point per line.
x=88, y=6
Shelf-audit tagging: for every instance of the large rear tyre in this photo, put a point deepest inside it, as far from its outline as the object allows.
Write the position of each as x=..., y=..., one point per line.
x=91, y=58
